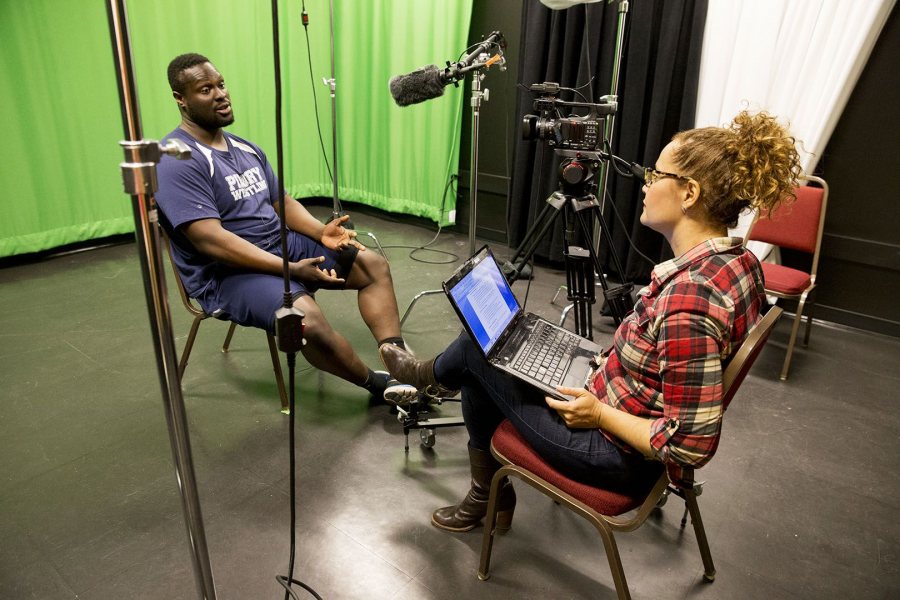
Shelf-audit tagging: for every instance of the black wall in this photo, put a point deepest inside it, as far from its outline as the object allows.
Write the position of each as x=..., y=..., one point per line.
x=497, y=128
x=859, y=272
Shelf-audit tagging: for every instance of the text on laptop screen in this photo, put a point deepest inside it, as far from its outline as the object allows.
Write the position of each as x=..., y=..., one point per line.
x=486, y=302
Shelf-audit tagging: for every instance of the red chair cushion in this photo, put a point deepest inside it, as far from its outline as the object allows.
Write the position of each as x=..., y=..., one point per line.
x=785, y=280
x=509, y=443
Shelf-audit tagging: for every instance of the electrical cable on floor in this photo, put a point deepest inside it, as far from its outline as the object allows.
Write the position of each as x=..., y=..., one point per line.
x=424, y=247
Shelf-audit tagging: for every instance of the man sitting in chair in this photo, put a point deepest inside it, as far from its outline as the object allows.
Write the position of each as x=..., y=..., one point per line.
x=219, y=210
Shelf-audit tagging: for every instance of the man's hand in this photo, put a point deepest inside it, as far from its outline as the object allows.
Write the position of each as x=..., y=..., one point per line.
x=583, y=411
x=306, y=271
x=337, y=237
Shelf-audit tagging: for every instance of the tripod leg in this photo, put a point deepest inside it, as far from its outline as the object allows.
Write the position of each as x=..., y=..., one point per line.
x=618, y=298
x=536, y=233
x=580, y=281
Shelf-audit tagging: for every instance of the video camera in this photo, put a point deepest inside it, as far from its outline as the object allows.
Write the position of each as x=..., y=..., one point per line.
x=570, y=132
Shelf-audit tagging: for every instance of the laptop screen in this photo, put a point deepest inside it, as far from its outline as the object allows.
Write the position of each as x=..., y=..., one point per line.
x=485, y=300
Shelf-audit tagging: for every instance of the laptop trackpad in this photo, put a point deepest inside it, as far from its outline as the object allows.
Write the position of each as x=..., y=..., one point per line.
x=578, y=372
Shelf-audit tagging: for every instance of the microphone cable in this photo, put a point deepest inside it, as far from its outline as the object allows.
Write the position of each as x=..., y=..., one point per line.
x=288, y=323
x=627, y=175
x=286, y=581
x=312, y=85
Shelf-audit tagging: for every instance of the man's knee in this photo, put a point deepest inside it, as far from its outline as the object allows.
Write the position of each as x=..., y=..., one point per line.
x=372, y=267
x=316, y=329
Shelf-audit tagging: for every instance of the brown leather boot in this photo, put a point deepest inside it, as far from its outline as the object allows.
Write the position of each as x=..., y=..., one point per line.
x=466, y=515
x=406, y=368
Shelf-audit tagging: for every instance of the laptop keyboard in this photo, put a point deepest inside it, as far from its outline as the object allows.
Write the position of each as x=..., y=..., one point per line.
x=542, y=357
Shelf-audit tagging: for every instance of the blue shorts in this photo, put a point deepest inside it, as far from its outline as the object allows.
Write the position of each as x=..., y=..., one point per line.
x=251, y=299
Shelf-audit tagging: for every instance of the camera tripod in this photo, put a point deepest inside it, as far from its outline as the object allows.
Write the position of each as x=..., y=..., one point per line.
x=581, y=210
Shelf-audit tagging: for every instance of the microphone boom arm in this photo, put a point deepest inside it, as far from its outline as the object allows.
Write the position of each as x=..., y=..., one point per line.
x=454, y=72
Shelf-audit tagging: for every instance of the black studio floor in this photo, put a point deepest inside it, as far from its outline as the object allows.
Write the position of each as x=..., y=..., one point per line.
x=799, y=502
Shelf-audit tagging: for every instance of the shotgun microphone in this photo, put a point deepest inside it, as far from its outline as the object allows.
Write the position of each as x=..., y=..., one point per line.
x=429, y=81
x=420, y=85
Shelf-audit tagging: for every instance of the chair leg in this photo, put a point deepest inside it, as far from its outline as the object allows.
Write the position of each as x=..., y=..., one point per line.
x=490, y=524
x=228, y=336
x=188, y=344
x=809, y=319
x=279, y=376
x=615, y=561
x=794, y=329
x=709, y=569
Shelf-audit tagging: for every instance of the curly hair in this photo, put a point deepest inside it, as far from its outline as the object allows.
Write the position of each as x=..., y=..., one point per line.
x=178, y=65
x=751, y=163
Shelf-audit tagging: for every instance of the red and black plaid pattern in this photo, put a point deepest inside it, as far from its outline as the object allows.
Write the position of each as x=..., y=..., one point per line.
x=666, y=359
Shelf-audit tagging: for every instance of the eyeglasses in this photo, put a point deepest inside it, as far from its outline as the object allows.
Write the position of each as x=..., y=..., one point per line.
x=651, y=176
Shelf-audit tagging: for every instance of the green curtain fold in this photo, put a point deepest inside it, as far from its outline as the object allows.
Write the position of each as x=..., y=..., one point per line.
x=58, y=164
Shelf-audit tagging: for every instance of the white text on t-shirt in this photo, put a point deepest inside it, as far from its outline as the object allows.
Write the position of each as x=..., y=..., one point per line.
x=246, y=184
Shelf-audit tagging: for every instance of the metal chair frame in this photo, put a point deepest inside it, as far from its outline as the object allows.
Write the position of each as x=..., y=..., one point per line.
x=807, y=295
x=200, y=315
x=607, y=525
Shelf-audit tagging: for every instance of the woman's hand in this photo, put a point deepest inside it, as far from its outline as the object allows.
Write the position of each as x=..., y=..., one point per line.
x=306, y=271
x=337, y=237
x=583, y=411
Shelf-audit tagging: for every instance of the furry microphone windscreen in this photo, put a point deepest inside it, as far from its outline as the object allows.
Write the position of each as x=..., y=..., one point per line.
x=420, y=85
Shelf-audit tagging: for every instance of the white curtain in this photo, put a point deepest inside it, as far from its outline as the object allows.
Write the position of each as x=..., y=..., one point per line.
x=797, y=59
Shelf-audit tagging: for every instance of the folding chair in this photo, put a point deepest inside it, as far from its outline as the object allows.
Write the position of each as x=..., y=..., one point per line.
x=797, y=226
x=606, y=509
x=200, y=315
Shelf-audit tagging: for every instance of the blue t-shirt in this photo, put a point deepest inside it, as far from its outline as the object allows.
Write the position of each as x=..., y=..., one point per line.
x=236, y=186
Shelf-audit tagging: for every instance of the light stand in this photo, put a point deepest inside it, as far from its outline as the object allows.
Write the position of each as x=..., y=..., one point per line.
x=336, y=210
x=603, y=177
x=476, y=62
x=475, y=103
x=611, y=119
x=139, y=179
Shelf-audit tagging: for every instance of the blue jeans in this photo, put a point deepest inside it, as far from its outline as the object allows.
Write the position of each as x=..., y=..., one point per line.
x=489, y=395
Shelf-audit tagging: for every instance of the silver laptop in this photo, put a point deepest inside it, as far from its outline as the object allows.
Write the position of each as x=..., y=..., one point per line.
x=522, y=344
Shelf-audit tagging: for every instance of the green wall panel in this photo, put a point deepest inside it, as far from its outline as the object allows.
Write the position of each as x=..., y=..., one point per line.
x=58, y=165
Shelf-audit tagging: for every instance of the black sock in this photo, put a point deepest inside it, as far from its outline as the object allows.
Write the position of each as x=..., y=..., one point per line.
x=375, y=382
x=397, y=341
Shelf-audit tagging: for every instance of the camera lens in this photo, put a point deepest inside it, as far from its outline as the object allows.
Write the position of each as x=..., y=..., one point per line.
x=529, y=127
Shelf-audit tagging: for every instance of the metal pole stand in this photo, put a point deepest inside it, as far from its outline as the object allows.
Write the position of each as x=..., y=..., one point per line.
x=139, y=179
x=477, y=96
x=336, y=209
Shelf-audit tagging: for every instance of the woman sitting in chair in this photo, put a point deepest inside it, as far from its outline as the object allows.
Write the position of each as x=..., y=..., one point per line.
x=655, y=399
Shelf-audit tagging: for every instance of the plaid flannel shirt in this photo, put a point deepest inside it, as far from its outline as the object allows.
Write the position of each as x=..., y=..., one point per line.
x=666, y=361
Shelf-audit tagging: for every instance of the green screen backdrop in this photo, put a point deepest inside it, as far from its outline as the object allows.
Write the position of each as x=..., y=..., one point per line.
x=62, y=125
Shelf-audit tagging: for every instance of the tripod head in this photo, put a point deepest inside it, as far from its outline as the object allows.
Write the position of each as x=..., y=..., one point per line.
x=577, y=173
